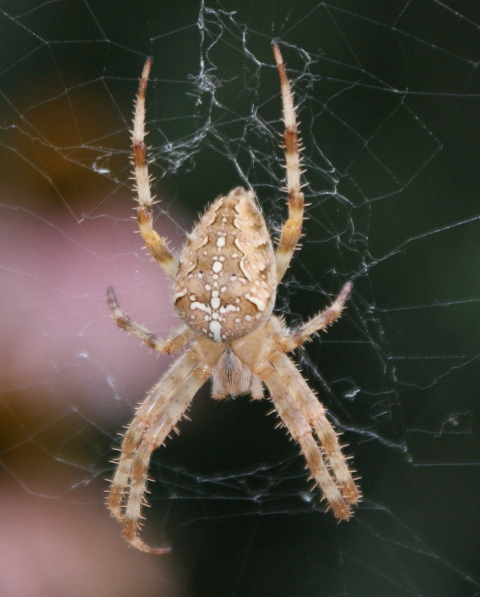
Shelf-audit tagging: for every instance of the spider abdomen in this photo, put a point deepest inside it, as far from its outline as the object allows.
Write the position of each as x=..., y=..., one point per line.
x=226, y=280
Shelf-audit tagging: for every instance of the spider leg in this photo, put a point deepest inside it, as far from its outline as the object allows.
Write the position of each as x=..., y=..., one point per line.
x=305, y=400
x=154, y=242
x=163, y=393
x=287, y=341
x=297, y=423
x=165, y=420
x=293, y=226
x=124, y=322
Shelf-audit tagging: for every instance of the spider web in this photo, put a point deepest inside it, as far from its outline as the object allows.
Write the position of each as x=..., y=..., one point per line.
x=388, y=103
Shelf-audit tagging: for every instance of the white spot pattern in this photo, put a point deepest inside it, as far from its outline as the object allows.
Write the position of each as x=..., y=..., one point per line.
x=226, y=272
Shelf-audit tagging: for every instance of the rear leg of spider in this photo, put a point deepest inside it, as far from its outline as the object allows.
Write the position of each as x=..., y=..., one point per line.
x=155, y=243
x=292, y=228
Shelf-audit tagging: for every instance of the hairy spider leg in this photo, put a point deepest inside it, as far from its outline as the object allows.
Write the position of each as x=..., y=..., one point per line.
x=292, y=228
x=156, y=244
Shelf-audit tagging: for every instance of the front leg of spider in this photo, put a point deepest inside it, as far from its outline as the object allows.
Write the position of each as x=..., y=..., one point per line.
x=223, y=288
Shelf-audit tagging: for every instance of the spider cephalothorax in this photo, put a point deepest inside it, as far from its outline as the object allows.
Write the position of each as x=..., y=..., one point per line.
x=224, y=288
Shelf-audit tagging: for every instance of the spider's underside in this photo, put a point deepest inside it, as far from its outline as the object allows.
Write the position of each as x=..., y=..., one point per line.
x=224, y=288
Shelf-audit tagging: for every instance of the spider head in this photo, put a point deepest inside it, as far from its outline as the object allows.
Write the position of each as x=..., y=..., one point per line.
x=226, y=282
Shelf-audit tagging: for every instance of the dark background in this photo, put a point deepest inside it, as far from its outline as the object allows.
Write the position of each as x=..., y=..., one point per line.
x=389, y=106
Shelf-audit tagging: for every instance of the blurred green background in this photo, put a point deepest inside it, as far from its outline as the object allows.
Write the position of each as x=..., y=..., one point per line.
x=389, y=105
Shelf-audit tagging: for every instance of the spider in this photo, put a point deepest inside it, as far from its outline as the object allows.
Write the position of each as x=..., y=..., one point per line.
x=223, y=288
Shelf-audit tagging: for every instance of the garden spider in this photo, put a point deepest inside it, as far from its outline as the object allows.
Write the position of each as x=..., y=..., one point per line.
x=223, y=287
